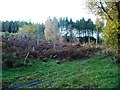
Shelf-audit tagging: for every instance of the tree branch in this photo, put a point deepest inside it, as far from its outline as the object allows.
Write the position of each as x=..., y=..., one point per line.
x=105, y=11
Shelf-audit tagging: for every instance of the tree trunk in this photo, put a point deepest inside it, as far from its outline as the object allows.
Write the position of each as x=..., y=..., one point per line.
x=54, y=46
x=38, y=39
x=89, y=37
x=83, y=36
x=89, y=40
x=97, y=39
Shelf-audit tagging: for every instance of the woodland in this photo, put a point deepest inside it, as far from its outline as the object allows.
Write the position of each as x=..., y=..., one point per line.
x=62, y=53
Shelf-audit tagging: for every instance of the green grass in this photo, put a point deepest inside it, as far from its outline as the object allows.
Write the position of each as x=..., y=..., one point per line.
x=93, y=72
x=2, y=44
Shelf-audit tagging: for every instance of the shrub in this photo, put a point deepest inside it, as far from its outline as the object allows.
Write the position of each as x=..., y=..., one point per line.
x=11, y=60
x=45, y=49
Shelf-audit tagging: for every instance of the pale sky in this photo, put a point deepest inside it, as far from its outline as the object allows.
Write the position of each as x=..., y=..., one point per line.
x=39, y=10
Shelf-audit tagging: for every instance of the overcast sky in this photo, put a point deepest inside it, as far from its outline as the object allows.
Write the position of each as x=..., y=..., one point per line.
x=40, y=10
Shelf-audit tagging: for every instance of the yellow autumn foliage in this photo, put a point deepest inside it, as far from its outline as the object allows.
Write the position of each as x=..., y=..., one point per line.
x=51, y=29
x=30, y=31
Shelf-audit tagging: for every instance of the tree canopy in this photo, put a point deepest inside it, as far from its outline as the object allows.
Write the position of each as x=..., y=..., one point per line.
x=109, y=11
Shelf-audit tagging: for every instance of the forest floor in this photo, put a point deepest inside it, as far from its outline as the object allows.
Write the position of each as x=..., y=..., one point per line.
x=95, y=72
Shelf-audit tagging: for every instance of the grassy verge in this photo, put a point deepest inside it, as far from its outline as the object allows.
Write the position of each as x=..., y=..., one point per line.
x=93, y=72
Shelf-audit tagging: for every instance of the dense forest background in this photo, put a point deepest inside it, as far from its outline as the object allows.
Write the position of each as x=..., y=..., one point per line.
x=85, y=31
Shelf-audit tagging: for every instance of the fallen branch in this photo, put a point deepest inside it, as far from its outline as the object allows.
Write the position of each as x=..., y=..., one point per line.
x=26, y=57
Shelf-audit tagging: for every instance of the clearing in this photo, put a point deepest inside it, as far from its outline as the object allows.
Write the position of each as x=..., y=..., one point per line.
x=93, y=72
